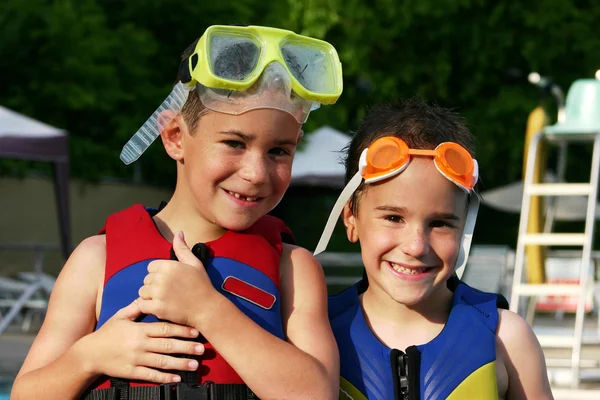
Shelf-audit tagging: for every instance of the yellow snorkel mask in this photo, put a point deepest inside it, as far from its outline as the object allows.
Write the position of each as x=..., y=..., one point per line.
x=238, y=69
x=233, y=58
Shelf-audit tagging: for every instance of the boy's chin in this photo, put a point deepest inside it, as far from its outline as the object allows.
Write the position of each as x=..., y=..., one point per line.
x=408, y=297
x=239, y=225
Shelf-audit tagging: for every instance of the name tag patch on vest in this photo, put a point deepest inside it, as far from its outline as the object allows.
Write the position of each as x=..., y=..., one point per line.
x=248, y=292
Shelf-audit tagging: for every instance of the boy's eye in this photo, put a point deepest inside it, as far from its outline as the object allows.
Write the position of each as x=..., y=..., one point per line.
x=441, y=224
x=393, y=218
x=234, y=144
x=279, y=151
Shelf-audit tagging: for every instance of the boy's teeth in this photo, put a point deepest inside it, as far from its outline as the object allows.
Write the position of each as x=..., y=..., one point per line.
x=238, y=196
x=408, y=271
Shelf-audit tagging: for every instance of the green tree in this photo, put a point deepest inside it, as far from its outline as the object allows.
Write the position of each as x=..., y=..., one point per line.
x=99, y=68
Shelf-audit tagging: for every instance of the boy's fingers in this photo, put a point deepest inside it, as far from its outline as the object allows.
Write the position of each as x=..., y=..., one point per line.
x=149, y=278
x=174, y=346
x=131, y=312
x=152, y=375
x=144, y=293
x=165, y=330
x=165, y=362
x=183, y=252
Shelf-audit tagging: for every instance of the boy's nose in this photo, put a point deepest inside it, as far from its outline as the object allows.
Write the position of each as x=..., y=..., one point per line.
x=415, y=243
x=254, y=169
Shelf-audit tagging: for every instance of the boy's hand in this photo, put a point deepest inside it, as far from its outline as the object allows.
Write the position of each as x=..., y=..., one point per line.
x=126, y=349
x=178, y=291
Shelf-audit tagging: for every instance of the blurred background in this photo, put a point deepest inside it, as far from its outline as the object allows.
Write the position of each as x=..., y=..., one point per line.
x=97, y=69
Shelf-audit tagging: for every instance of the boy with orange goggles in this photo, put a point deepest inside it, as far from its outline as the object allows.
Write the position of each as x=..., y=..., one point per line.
x=411, y=329
x=388, y=156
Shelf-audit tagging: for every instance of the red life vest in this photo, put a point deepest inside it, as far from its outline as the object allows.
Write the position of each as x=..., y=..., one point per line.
x=243, y=266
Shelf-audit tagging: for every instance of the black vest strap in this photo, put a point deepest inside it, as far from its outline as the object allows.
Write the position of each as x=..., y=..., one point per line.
x=231, y=392
x=101, y=394
x=179, y=391
x=122, y=387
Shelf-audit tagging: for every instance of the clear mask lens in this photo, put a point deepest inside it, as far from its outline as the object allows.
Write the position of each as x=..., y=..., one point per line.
x=310, y=66
x=233, y=57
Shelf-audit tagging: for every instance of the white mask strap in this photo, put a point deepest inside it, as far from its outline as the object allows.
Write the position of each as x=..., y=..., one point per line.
x=467, y=238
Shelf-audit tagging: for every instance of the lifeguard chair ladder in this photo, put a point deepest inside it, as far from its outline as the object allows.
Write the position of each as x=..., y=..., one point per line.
x=582, y=123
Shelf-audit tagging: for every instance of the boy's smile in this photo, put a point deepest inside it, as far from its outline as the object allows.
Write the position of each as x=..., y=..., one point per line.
x=409, y=272
x=236, y=168
x=410, y=229
x=244, y=198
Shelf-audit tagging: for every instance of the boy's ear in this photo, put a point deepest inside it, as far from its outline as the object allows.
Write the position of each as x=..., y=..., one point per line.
x=350, y=223
x=300, y=134
x=172, y=129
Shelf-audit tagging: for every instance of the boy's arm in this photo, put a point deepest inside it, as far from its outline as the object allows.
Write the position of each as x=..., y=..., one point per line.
x=306, y=366
x=62, y=361
x=70, y=316
x=523, y=357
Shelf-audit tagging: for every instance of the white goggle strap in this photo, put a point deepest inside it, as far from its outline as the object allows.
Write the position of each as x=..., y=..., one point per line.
x=336, y=211
x=465, y=244
x=152, y=128
x=345, y=196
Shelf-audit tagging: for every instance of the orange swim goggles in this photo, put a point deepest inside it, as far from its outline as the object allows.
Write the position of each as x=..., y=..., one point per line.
x=388, y=156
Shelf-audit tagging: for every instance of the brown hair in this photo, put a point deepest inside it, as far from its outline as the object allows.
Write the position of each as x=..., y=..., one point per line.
x=420, y=125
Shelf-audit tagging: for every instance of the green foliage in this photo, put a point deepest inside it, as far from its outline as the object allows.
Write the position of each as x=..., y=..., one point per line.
x=99, y=68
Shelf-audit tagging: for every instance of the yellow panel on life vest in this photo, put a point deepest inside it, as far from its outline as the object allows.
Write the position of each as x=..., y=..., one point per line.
x=481, y=384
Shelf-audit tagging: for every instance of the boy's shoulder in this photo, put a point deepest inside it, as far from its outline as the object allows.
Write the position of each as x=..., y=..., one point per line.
x=93, y=245
x=512, y=327
x=89, y=253
x=86, y=262
x=521, y=354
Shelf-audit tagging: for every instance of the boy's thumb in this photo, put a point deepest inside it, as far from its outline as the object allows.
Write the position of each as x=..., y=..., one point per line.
x=183, y=252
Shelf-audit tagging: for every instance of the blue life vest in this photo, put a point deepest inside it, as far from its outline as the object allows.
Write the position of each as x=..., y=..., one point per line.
x=460, y=363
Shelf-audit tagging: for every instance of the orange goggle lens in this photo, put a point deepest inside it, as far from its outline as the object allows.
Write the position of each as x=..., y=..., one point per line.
x=456, y=164
x=390, y=155
x=385, y=157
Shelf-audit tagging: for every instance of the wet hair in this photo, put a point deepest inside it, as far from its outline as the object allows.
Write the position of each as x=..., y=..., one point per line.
x=420, y=125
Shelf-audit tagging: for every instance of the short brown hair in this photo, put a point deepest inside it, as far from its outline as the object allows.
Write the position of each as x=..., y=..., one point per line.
x=420, y=125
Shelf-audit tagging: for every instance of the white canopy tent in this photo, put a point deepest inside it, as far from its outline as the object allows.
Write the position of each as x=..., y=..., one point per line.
x=318, y=162
x=25, y=138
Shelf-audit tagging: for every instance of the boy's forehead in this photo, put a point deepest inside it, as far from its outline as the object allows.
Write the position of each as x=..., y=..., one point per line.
x=266, y=124
x=419, y=185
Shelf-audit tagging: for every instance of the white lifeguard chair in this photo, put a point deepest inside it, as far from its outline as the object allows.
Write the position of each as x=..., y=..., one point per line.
x=579, y=123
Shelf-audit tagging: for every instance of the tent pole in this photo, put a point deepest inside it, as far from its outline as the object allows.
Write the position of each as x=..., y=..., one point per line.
x=61, y=192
